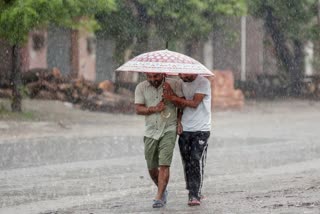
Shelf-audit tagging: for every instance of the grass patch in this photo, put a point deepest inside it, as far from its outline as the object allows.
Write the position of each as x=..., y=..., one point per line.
x=7, y=114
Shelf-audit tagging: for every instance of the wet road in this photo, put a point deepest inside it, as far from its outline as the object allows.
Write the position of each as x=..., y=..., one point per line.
x=263, y=159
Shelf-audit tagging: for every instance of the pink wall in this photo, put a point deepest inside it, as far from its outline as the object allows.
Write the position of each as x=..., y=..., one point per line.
x=84, y=55
x=34, y=54
x=38, y=58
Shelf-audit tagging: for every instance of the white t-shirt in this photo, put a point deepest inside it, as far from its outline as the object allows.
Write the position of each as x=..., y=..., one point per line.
x=197, y=119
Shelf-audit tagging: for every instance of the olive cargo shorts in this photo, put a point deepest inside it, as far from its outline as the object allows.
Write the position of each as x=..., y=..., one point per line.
x=159, y=152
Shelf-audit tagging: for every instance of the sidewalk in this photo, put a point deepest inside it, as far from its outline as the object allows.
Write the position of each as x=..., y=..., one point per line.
x=55, y=118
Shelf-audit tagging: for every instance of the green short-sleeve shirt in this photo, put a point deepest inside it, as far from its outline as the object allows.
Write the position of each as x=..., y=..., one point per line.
x=155, y=124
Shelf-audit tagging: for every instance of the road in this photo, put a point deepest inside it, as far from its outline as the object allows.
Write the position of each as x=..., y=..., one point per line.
x=264, y=158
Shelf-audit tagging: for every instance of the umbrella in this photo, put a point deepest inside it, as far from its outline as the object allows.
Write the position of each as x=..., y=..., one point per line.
x=165, y=61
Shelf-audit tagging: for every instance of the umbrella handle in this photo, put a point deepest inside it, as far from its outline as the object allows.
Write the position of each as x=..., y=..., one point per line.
x=163, y=113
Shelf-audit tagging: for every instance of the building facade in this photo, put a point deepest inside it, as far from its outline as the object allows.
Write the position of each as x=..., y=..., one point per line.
x=238, y=47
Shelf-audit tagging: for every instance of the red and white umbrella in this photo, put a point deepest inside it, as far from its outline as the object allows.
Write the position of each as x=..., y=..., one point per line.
x=165, y=61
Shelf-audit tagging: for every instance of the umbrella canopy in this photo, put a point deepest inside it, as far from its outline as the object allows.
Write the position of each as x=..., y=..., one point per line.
x=165, y=61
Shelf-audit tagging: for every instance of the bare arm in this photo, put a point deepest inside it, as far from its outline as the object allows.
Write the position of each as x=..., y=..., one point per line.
x=141, y=109
x=179, y=124
x=181, y=102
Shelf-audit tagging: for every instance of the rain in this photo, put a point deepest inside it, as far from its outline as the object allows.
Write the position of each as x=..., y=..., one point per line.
x=72, y=131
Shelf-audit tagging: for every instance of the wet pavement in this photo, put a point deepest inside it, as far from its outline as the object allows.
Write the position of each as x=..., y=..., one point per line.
x=262, y=159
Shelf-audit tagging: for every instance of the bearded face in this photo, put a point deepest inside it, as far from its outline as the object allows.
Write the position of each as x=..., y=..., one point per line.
x=188, y=77
x=155, y=79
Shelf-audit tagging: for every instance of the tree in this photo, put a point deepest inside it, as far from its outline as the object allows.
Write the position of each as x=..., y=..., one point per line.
x=190, y=21
x=19, y=17
x=289, y=24
x=132, y=24
x=124, y=25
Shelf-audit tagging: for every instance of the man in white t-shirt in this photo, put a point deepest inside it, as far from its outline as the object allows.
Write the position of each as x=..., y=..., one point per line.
x=194, y=127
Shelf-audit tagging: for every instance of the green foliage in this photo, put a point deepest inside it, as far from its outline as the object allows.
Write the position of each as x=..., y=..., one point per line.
x=134, y=21
x=296, y=18
x=121, y=23
x=187, y=19
x=290, y=24
x=24, y=91
x=19, y=17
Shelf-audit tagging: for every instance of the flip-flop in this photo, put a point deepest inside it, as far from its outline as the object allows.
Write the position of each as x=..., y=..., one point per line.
x=157, y=204
x=165, y=196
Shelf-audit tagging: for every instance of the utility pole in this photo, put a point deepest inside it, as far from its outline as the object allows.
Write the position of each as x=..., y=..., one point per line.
x=243, y=47
x=319, y=13
x=317, y=43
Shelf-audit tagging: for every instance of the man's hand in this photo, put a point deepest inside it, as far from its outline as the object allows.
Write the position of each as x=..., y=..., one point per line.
x=168, y=93
x=166, y=87
x=141, y=109
x=160, y=107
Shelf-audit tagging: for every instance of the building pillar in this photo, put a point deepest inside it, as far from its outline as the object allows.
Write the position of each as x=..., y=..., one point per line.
x=208, y=53
x=83, y=55
x=243, y=48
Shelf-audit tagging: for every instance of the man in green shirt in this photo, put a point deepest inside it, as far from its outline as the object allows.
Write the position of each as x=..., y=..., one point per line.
x=160, y=129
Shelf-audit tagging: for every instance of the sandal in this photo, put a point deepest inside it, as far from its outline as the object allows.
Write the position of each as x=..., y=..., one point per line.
x=193, y=202
x=157, y=204
x=164, y=196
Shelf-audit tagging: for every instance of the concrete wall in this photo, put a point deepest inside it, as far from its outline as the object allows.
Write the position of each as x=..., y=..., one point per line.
x=227, y=47
x=59, y=49
x=254, y=48
x=37, y=49
x=104, y=63
x=83, y=55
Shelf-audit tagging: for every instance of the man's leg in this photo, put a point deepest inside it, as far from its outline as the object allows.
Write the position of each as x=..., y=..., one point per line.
x=198, y=158
x=158, y=174
x=203, y=162
x=166, y=147
x=185, y=156
x=163, y=179
x=154, y=174
x=151, y=156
